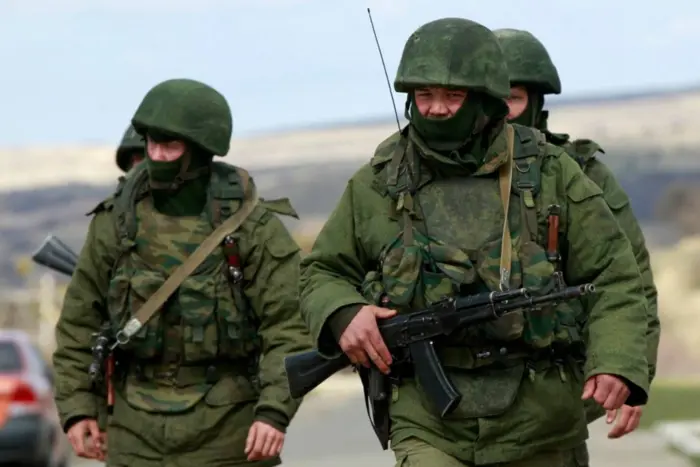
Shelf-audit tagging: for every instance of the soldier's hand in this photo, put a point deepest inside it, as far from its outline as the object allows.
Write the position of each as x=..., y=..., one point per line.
x=607, y=390
x=78, y=434
x=264, y=442
x=362, y=342
x=627, y=420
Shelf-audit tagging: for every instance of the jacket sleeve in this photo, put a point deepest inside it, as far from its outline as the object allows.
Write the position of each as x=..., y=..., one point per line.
x=620, y=205
x=84, y=310
x=597, y=251
x=271, y=274
x=332, y=274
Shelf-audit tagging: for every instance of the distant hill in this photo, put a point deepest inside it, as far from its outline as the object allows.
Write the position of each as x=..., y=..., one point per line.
x=651, y=141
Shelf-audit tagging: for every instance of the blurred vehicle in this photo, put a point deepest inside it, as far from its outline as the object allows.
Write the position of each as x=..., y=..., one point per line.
x=30, y=432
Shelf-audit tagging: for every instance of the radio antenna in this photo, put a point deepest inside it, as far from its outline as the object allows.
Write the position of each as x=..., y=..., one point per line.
x=386, y=75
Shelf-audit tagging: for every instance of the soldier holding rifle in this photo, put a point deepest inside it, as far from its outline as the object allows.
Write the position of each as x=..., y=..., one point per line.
x=456, y=204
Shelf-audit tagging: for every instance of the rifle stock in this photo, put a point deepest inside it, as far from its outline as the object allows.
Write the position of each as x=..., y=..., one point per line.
x=307, y=370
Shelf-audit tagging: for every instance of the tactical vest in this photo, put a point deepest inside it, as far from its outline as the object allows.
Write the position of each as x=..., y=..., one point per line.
x=207, y=326
x=417, y=268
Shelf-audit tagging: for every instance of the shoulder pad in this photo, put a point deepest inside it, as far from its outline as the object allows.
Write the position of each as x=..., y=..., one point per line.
x=385, y=150
x=531, y=142
x=104, y=205
x=587, y=147
x=557, y=139
x=280, y=206
x=582, y=150
x=225, y=182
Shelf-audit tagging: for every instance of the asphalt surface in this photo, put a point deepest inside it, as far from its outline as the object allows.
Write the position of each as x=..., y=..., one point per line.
x=332, y=429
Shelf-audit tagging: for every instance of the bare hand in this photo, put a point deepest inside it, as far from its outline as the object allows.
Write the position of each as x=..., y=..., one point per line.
x=627, y=420
x=362, y=342
x=607, y=390
x=78, y=434
x=264, y=442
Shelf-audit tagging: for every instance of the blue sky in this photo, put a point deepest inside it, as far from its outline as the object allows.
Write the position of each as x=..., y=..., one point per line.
x=73, y=71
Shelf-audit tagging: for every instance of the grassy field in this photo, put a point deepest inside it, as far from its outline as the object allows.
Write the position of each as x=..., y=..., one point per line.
x=673, y=400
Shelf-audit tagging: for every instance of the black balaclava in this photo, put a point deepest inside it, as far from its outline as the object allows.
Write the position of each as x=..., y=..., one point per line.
x=460, y=140
x=179, y=187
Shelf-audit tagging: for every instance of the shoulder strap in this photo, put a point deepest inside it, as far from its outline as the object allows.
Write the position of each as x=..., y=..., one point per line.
x=505, y=180
x=226, y=190
x=527, y=177
x=527, y=159
x=129, y=191
x=395, y=186
x=155, y=301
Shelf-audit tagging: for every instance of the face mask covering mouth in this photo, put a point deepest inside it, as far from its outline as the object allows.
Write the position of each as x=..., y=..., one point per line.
x=446, y=134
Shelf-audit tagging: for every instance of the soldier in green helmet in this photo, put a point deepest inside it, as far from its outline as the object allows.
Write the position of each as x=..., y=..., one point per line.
x=457, y=203
x=534, y=76
x=193, y=279
x=131, y=149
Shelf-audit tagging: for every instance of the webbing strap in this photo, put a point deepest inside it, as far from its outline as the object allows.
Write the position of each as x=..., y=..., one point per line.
x=505, y=180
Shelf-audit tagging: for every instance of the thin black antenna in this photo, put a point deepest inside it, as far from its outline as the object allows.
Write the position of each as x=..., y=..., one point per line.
x=381, y=56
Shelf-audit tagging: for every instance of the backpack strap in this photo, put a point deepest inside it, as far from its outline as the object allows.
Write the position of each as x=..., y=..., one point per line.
x=395, y=183
x=130, y=191
x=528, y=153
x=226, y=191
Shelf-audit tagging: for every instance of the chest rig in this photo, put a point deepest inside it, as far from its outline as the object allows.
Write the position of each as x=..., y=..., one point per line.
x=225, y=195
x=207, y=327
x=527, y=148
x=416, y=268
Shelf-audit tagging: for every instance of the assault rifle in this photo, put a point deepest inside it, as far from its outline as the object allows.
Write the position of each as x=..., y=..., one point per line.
x=412, y=334
x=56, y=255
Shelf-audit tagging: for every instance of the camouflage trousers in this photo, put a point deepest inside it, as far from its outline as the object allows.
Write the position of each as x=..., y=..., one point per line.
x=203, y=436
x=413, y=452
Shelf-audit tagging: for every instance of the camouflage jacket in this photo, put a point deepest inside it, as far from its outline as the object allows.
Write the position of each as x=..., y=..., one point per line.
x=494, y=422
x=269, y=262
x=585, y=152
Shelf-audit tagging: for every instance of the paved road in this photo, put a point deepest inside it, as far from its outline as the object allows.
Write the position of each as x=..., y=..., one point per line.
x=332, y=429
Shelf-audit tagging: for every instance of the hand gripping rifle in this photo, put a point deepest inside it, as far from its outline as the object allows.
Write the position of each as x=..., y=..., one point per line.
x=412, y=334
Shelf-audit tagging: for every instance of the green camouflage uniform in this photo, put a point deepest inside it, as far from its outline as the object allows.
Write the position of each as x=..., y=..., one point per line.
x=191, y=382
x=424, y=219
x=530, y=66
x=131, y=143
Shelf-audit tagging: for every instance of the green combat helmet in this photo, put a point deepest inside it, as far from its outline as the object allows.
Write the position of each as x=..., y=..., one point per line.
x=190, y=110
x=131, y=142
x=453, y=53
x=528, y=61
